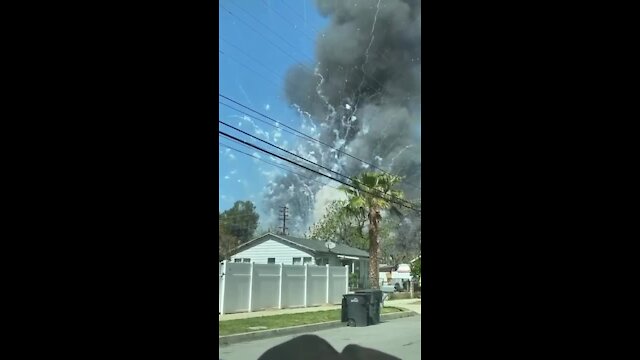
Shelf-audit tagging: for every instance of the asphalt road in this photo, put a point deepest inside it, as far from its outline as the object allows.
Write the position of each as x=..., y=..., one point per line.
x=399, y=337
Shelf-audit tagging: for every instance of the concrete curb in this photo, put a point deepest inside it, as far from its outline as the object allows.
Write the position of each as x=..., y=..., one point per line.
x=398, y=315
x=265, y=334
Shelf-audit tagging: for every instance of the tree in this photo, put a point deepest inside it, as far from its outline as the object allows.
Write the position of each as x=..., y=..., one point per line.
x=341, y=225
x=240, y=221
x=390, y=235
x=261, y=231
x=371, y=193
x=403, y=239
x=416, y=269
x=226, y=243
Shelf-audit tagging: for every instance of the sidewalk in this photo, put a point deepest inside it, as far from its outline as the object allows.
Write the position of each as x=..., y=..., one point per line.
x=407, y=304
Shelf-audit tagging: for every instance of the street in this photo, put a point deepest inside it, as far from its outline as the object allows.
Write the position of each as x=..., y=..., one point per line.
x=399, y=337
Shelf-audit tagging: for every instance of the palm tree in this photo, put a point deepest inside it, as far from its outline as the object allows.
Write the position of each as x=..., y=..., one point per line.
x=371, y=193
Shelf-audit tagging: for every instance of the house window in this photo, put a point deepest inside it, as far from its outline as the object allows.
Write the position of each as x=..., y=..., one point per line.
x=322, y=261
x=296, y=261
x=246, y=260
x=307, y=260
x=237, y=260
x=271, y=260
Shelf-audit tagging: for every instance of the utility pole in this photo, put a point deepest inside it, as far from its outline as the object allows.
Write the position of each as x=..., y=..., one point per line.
x=284, y=214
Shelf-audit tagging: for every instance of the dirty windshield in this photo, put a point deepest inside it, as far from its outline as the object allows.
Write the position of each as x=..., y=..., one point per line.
x=319, y=179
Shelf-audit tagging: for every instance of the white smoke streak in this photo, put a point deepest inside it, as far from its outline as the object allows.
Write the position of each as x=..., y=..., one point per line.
x=397, y=155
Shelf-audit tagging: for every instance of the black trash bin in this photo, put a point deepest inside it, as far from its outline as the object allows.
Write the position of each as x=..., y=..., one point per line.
x=374, y=297
x=355, y=309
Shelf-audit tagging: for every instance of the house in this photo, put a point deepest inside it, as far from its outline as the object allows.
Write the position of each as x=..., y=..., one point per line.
x=392, y=275
x=284, y=249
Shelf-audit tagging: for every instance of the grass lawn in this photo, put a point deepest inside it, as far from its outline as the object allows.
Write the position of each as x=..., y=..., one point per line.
x=278, y=321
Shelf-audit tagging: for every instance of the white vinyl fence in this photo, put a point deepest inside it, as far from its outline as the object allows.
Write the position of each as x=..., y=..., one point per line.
x=246, y=287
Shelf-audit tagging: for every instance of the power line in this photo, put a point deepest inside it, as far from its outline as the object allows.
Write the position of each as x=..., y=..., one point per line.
x=314, y=171
x=303, y=134
x=231, y=217
x=272, y=31
x=364, y=74
x=279, y=166
x=250, y=57
x=286, y=20
x=297, y=14
x=250, y=69
x=301, y=17
x=262, y=121
x=319, y=173
x=259, y=33
x=307, y=160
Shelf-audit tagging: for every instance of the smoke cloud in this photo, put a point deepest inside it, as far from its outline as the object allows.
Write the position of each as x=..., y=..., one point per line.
x=362, y=96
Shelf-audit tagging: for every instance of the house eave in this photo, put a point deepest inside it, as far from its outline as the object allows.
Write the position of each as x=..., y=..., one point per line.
x=248, y=243
x=348, y=257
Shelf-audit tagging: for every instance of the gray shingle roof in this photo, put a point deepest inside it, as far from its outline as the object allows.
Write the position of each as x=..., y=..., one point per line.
x=318, y=246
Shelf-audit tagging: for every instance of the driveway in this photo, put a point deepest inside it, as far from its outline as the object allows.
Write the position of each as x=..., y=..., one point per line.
x=399, y=337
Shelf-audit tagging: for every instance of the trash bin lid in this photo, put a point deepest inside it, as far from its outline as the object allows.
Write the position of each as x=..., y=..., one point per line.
x=374, y=293
x=357, y=298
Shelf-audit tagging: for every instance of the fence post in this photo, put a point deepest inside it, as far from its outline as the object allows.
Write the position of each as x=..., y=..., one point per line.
x=280, y=289
x=224, y=282
x=346, y=273
x=327, y=289
x=250, y=286
x=306, y=282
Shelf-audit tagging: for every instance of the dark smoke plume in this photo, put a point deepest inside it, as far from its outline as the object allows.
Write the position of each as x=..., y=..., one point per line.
x=362, y=96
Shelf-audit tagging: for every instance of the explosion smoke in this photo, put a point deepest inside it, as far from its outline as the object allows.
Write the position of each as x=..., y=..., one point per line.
x=362, y=97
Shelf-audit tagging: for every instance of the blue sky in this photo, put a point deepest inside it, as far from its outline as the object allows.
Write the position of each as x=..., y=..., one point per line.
x=259, y=41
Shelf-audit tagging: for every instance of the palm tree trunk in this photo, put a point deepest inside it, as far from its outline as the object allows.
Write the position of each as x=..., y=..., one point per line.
x=374, y=274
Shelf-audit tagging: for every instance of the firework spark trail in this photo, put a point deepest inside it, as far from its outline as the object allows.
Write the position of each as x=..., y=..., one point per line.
x=314, y=134
x=381, y=126
x=309, y=192
x=256, y=128
x=246, y=118
x=397, y=155
x=366, y=52
x=332, y=110
x=330, y=118
x=245, y=95
x=366, y=56
x=302, y=115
